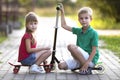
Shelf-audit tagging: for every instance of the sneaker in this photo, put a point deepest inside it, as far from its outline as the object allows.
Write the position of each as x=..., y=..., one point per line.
x=35, y=69
x=88, y=72
x=41, y=69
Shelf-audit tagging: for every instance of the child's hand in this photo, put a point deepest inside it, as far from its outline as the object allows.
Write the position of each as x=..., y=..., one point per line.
x=47, y=48
x=61, y=7
x=84, y=67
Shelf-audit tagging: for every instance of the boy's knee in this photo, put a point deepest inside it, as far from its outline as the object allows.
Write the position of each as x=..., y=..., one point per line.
x=72, y=47
x=62, y=65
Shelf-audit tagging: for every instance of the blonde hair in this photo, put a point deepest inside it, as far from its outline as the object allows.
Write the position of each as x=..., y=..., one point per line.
x=85, y=10
x=30, y=17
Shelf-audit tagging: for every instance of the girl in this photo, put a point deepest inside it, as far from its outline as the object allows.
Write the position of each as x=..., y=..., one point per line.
x=28, y=53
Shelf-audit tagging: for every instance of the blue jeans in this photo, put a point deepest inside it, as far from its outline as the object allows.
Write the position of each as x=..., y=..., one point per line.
x=30, y=60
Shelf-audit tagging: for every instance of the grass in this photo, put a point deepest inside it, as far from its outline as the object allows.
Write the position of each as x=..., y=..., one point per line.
x=2, y=38
x=112, y=43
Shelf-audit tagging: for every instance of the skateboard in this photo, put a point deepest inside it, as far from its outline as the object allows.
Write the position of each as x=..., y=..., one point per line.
x=99, y=68
x=18, y=65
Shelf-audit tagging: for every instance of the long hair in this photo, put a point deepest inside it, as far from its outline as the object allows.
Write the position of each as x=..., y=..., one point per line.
x=30, y=17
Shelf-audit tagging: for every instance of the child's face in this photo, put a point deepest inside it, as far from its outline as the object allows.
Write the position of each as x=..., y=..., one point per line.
x=32, y=26
x=84, y=19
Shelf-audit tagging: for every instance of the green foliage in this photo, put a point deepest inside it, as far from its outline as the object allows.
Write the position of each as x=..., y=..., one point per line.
x=2, y=38
x=46, y=3
x=46, y=12
x=107, y=23
x=98, y=23
x=1, y=62
x=28, y=5
x=25, y=2
x=106, y=12
x=22, y=21
x=112, y=43
x=107, y=8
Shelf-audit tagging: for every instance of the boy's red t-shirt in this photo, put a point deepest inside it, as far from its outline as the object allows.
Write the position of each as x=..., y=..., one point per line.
x=23, y=54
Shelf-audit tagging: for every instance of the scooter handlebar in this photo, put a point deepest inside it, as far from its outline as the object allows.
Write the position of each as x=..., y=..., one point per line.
x=58, y=7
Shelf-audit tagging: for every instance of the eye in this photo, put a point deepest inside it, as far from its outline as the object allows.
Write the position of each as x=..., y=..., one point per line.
x=86, y=17
x=80, y=18
x=35, y=22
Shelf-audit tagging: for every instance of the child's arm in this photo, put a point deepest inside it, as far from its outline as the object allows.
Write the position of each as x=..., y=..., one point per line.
x=92, y=53
x=63, y=22
x=85, y=66
x=31, y=50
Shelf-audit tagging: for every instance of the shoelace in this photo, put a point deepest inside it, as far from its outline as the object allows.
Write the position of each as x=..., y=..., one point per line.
x=40, y=69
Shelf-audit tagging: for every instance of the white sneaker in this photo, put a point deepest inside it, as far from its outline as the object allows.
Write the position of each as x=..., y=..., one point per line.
x=41, y=69
x=35, y=69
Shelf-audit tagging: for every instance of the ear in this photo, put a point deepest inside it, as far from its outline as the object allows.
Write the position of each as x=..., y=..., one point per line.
x=91, y=18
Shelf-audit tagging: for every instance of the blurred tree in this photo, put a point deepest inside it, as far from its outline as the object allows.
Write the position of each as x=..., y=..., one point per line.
x=27, y=4
x=69, y=5
x=24, y=2
x=0, y=11
x=107, y=8
x=115, y=5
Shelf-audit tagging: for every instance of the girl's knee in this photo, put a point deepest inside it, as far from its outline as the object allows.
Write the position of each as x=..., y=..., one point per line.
x=49, y=52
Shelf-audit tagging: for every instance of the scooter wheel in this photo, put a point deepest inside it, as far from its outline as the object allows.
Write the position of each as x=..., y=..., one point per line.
x=101, y=67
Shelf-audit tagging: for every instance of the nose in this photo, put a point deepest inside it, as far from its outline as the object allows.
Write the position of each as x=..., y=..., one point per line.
x=83, y=19
x=33, y=25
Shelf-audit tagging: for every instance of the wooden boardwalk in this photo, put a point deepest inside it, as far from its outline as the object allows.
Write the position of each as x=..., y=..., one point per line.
x=9, y=52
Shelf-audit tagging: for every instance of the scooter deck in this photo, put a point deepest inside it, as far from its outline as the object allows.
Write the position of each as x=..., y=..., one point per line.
x=99, y=68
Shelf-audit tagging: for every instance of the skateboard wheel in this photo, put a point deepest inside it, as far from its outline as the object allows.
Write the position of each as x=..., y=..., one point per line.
x=15, y=71
x=47, y=68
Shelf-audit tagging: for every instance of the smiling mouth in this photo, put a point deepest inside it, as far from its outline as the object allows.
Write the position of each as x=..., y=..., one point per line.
x=84, y=24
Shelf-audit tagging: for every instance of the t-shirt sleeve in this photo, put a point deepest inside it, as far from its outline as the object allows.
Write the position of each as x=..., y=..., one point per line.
x=95, y=39
x=27, y=36
x=75, y=30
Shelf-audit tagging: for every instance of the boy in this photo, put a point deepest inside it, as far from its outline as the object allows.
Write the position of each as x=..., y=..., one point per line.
x=85, y=53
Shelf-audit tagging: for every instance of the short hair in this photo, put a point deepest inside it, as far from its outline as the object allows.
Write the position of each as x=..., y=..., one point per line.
x=30, y=17
x=85, y=10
